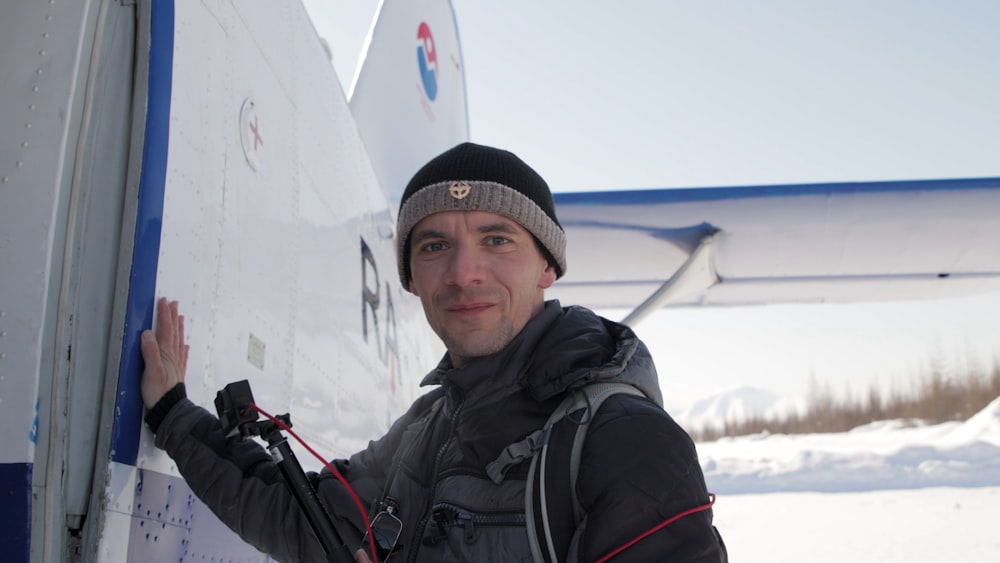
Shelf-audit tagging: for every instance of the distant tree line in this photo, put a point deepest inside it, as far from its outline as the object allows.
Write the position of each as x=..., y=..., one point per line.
x=934, y=398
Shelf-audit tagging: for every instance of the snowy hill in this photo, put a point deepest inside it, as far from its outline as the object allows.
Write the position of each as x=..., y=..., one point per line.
x=879, y=456
x=735, y=405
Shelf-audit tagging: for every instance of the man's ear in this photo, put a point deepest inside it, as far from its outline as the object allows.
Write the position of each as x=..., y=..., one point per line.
x=548, y=276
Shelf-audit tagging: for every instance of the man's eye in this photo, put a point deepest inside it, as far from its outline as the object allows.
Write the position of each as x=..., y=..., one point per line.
x=433, y=247
x=497, y=241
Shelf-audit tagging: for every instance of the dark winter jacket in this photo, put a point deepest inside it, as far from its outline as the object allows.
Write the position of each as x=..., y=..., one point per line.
x=638, y=468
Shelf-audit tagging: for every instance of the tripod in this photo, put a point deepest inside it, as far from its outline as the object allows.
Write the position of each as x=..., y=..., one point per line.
x=233, y=404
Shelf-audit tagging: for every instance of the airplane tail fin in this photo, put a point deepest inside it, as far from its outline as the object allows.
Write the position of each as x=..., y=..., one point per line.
x=408, y=97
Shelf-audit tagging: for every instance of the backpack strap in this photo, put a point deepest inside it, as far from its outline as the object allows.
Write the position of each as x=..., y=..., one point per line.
x=540, y=485
x=595, y=394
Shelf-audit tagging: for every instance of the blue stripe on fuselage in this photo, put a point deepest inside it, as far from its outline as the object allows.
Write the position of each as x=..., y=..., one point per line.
x=145, y=254
x=15, y=518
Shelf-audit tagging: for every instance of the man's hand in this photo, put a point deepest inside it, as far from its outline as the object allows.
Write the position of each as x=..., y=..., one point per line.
x=165, y=353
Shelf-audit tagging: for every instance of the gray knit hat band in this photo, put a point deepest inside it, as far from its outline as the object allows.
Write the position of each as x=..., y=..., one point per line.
x=477, y=196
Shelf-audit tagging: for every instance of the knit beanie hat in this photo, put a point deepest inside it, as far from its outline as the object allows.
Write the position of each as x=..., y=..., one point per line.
x=471, y=177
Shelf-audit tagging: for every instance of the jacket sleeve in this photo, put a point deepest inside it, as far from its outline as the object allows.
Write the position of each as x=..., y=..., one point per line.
x=638, y=469
x=244, y=487
x=239, y=482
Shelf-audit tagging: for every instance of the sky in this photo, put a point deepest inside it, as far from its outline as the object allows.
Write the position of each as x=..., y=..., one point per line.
x=631, y=95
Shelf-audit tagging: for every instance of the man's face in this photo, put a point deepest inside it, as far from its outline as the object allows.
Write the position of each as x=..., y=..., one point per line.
x=480, y=278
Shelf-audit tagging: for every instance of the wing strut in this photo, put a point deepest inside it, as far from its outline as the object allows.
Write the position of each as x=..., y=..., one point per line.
x=696, y=274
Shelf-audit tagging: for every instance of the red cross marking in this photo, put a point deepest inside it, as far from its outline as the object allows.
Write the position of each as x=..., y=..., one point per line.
x=257, y=140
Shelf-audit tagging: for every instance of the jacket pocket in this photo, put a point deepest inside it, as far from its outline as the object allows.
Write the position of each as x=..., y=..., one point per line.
x=447, y=517
x=458, y=533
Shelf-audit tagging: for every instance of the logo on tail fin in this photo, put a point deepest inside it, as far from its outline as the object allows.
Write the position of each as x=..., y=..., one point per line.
x=427, y=60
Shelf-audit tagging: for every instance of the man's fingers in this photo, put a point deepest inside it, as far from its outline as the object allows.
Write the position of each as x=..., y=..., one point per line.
x=164, y=323
x=184, y=361
x=170, y=339
x=150, y=350
x=164, y=352
x=180, y=338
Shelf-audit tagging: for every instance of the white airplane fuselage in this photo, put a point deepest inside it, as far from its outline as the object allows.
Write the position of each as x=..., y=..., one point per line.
x=206, y=152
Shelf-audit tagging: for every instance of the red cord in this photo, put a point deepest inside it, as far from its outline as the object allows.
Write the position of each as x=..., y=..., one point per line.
x=350, y=490
x=660, y=526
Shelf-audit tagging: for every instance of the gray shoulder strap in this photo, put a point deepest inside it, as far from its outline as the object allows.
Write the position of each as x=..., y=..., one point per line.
x=595, y=394
x=590, y=398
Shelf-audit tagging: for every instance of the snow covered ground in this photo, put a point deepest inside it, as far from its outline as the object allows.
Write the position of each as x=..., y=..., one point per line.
x=885, y=492
x=939, y=525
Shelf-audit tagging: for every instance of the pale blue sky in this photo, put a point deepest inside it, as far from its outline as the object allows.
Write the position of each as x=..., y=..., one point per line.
x=630, y=94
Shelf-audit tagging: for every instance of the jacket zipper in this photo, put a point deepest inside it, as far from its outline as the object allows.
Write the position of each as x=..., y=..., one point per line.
x=459, y=403
x=447, y=515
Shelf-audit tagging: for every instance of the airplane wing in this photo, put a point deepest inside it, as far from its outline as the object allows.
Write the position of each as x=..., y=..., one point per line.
x=849, y=242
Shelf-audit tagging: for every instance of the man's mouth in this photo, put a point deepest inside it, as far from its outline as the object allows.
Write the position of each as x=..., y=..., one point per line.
x=468, y=308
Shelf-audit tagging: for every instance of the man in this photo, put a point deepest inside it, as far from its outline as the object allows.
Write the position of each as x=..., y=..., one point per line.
x=478, y=243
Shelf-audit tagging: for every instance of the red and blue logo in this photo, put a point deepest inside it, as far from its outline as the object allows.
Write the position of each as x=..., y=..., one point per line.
x=427, y=60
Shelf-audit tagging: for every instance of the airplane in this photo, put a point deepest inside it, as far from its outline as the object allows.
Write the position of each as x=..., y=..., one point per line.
x=206, y=151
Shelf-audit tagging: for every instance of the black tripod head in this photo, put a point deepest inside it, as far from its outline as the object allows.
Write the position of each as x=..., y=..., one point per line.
x=233, y=405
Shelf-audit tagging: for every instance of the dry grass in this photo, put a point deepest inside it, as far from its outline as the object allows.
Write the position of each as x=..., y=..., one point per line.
x=934, y=398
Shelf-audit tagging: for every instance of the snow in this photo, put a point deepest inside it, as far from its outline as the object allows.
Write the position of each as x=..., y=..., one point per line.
x=912, y=526
x=887, y=491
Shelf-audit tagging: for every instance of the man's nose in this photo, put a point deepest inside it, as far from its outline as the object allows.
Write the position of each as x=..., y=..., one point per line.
x=466, y=267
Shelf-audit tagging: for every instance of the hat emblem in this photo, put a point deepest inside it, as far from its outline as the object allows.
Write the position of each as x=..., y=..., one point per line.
x=459, y=190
